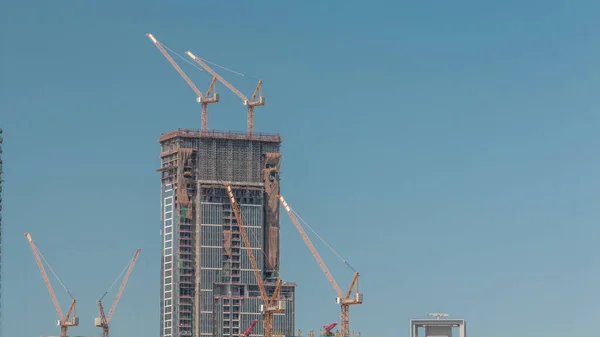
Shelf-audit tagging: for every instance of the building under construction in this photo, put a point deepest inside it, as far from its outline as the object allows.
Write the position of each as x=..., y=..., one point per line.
x=208, y=285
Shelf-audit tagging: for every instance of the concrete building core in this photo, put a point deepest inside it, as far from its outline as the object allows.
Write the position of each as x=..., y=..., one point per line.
x=438, y=327
x=208, y=287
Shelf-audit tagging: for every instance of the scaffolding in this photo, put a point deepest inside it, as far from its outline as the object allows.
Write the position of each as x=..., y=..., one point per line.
x=195, y=133
x=213, y=286
x=220, y=156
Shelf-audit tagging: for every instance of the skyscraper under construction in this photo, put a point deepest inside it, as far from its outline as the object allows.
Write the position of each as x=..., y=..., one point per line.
x=208, y=287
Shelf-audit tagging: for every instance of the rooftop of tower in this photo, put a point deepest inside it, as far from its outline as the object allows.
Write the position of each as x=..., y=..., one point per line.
x=234, y=135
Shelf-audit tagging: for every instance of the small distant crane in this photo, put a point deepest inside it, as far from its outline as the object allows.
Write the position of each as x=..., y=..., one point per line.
x=248, y=331
x=253, y=102
x=205, y=99
x=271, y=304
x=327, y=329
x=104, y=320
x=63, y=321
x=343, y=299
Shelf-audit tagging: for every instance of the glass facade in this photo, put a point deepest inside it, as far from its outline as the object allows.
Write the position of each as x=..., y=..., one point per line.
x=208, y=285
x=168, y=311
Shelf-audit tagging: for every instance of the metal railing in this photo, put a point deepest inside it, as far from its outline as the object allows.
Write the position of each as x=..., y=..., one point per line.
x=197, y=133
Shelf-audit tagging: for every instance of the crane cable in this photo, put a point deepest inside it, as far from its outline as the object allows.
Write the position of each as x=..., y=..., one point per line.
x=322, y=240
x=206, y=61
x=181, y=57
x=52, y=271
x=117, y=279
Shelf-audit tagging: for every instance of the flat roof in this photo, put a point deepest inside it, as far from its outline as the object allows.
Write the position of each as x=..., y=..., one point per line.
x=437, y=322
x=234, y=135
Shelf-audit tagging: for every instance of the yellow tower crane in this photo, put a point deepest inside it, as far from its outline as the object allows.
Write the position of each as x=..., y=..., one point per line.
x=104, y=320
x=345, y=300
x=272, y=304
x=63, y=321
x=203, y=99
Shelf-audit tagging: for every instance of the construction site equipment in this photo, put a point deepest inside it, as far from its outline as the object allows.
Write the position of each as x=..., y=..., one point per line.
x=104, y=320
x=63, y=321
x=343, y=299
x=311, y=333
x=327, y=329
x=248, y=331
x=203, y=99
x=271, y=304
x=250, y=104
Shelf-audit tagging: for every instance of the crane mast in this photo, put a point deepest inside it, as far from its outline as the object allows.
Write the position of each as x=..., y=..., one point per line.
x=271, y=304
x=343, y=299
x=104, y=320
x=63, y=321
x=256, y=100
x=205, y=99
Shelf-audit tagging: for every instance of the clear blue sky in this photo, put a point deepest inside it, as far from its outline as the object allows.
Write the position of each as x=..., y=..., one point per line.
x=447, y=149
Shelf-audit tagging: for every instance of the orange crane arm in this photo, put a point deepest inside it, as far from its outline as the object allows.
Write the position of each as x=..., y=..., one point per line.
x=352, y=286
x=36, y=255
x=276, y=291
x=71, y=310
x=174, y=64
x=211, y=86
x=311, y=247
x=238, y=216
x=257, y=91
x=217, y=76
x=101, y=311
x=123, y=284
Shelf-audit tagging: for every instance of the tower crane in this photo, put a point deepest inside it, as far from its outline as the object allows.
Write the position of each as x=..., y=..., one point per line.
x=271, y=304
x=63, y=321
x=248, y=331
x=327, y=329
x=205, y=99
x=250, y=104
x=104, y=320
x=344, y=299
